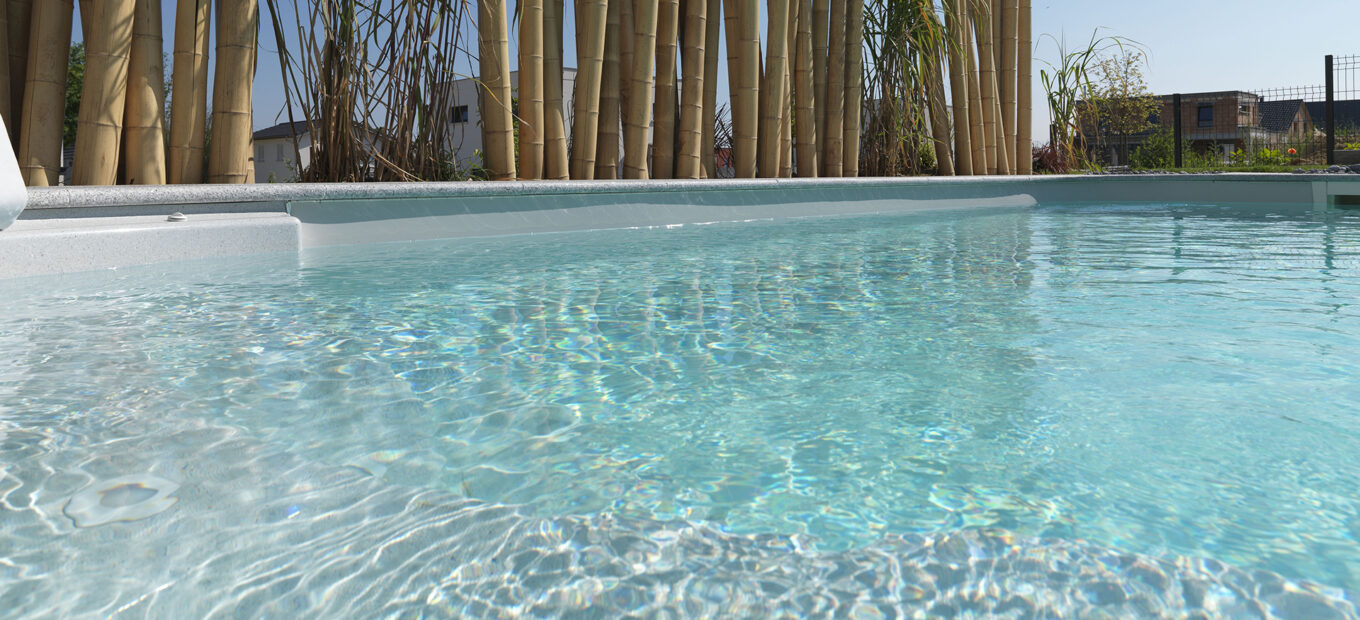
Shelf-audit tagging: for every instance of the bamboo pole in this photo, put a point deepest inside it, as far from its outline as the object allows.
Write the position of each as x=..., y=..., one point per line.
x=592, y=20
x=1010, y=31
x=627, y=37
x=786, y=111
x=958, y=88
x=854, y=87
x=976, y=128
x=1003, y=158
x=100, y=127
x=5, y=102
x=18, y=21
x=712, y=30
x=144, y=114
x=44, y=93
x=995, y=11
x=982, y=25
x=493, y=59
x=230, y=156
x=746, y=103
x=939, y=117
x=833, y=148
x=804, y=96
x=772, y=106
x=530, y=75
x=555, y=156
x=640, y=98
x=663, y=134
x=821, y=15
x=1024, y=156
x=688, y=163
x=607, y=144
x=189, y=84
x=732, y=37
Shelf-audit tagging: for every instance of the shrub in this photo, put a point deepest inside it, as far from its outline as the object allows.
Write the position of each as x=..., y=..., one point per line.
x=1269, y=157
x=1158, y=151
x=1049, y=158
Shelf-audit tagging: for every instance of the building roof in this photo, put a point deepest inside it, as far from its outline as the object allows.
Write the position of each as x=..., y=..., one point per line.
x=1213, y=94
x=1278, y=115
x=281, y=130
x=1347, y=112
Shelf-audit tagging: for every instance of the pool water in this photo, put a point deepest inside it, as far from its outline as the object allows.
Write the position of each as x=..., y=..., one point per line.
x=1073, y=411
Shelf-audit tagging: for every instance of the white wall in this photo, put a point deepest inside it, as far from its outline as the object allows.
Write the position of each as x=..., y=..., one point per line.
x=466, y=138
x=274, y=159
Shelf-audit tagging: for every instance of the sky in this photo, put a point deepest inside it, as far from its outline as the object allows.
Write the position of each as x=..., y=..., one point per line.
x=1192, y=45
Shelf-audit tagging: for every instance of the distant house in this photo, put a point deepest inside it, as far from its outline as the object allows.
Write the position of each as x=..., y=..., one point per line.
x=276, y=159
x=1288, y=118
x=465, y=139
x=1224, y=121
x=1347, y=114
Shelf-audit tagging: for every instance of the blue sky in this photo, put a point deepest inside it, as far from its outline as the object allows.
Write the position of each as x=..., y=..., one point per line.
x=1193, y=45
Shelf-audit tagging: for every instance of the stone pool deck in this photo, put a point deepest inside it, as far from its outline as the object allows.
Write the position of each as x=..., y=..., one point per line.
x=67, y=229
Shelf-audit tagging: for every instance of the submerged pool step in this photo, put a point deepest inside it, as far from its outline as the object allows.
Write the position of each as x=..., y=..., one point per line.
x=47, y=246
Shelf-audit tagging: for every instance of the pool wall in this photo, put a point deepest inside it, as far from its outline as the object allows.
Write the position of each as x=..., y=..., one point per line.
x=68, y=229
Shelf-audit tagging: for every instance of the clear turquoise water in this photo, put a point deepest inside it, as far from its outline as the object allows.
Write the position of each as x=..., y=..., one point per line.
x=1170, y=385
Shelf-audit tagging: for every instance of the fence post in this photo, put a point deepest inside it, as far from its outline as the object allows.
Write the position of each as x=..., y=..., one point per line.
x=1176, y=124
x=1331, y=115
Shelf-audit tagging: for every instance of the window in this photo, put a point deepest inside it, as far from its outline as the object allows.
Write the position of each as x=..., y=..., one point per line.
x=280, y=152
x=1206, y=115
x=459, y=114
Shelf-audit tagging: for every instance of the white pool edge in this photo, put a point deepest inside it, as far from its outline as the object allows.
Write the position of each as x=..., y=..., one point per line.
x=70, y=229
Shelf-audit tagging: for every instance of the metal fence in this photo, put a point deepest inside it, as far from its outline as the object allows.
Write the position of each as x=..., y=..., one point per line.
x=1297, y=125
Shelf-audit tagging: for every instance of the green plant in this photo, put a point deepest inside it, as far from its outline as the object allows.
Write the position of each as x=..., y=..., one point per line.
x=1269, y=157
x=370, y=79
x=1158, y=151
x=1121, y=104
x=901, y=37
x=1067, y=85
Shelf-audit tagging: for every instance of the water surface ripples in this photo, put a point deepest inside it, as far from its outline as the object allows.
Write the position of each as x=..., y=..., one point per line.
x=1152, y=403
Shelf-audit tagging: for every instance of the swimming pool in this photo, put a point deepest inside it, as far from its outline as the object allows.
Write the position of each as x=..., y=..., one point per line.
x=1073, y=410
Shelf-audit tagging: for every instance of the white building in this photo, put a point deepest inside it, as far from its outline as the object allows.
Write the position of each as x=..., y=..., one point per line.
x=275, y=157
x=465, y=141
